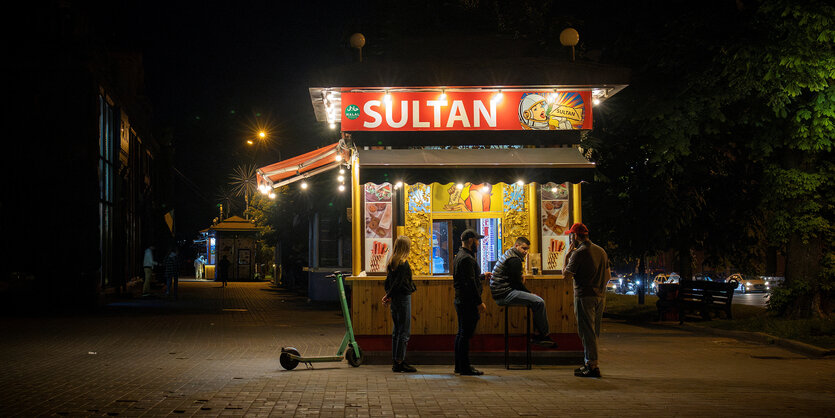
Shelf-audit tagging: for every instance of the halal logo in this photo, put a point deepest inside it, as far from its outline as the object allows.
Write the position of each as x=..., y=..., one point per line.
x=352, y=112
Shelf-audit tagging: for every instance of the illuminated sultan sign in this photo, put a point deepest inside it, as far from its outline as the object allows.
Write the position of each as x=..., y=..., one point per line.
x=466, y=111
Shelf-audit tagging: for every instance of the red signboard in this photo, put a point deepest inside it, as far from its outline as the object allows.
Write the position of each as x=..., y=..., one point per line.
x=466, y=111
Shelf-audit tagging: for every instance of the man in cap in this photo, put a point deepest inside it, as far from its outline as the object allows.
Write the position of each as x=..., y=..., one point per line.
x=588, y=265
x=508, y=288
x=468, y=282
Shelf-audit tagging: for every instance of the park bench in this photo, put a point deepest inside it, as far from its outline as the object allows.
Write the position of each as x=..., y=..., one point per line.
x=701, y=298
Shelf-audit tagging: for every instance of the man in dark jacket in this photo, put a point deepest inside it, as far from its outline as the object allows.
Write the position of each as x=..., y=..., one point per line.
x=468, y=282
x=508, y=288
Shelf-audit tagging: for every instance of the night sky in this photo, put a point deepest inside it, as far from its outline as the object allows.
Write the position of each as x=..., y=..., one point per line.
x=215, y=72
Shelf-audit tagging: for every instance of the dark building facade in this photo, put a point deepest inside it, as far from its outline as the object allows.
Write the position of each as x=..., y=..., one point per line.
x=86, y=182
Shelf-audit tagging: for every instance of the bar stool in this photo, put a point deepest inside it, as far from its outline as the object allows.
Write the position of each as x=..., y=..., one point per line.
x=527, y=365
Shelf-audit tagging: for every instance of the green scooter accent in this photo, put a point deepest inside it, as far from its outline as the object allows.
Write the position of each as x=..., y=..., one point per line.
x=290, y=357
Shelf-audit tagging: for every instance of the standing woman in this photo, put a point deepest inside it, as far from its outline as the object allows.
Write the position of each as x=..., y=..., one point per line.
x=399, y=289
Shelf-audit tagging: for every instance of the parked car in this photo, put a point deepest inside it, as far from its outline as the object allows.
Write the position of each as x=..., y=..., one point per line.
x=662, y=278
x=749, y=283
x=612, y=286
x=707, y=277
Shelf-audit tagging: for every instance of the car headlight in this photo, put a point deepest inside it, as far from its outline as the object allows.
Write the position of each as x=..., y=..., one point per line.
x=748, y=284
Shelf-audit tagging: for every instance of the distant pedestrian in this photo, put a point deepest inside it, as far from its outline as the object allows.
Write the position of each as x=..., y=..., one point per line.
x=148, y=265
x=199, y=262
x=508, y=288
x=171, y=266
x=588, y=265
x=469, y=284
x=223, y=270
x=399, y=288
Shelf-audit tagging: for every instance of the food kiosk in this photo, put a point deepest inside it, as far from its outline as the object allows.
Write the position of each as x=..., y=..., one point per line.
x=429, y=162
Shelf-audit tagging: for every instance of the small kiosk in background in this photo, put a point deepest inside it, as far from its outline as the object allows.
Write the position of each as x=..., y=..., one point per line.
x=234, y=238
x=429, y=161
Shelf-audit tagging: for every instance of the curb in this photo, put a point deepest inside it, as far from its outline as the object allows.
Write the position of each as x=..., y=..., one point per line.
x=808, y=350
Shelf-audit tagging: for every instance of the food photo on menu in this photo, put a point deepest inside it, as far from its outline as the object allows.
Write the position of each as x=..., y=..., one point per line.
x=378, y=220
x=554, y=217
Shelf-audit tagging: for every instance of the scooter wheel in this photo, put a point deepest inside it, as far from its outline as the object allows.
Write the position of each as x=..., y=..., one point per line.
x=352, y=357
x=286, y=361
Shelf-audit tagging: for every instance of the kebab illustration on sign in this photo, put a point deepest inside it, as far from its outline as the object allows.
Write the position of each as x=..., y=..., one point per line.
x=470, y=198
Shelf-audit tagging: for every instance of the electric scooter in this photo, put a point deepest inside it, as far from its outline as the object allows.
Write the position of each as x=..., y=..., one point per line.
x=290, y=357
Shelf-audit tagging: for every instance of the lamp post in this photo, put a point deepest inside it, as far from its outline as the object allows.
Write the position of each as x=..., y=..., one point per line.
x=570, y=37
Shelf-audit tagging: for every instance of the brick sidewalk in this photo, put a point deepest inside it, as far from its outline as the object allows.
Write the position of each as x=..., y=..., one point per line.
x=215, y=352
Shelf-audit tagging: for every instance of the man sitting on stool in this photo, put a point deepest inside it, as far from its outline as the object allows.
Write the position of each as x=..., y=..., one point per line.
x=508, y=288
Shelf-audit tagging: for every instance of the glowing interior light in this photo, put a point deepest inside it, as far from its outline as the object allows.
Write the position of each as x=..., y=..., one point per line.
x=249, y=141
x=459, y=186
x=485, y=189
x=398, y=185
x=304, y=185
x=596, y=102
x=553, y=190
x=341, y=187
x=341, y=178
x=387, y=97
x=262, y=134
x=264, y=189
x=497, y=97
x=272, y=195
x=332, y=125
x=521, y=182
x=443, y=95
x=341, y=171
x=338, y=157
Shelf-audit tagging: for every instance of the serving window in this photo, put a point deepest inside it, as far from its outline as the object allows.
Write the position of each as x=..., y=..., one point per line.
x=446, y=242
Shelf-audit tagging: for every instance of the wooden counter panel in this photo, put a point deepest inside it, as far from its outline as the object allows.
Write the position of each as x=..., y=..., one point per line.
x=433, y=311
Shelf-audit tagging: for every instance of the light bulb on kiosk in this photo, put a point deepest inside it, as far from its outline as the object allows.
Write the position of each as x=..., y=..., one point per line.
x=272, y=195
x=304, y=185
x=443, y=95
x=341, y=187
x=521, y=182
x=341, y=178
x=459, y=186
x=497, y=97
x=338, y=157
x=387, y=97
x=398, y=185
x=341, y=171
x=485, y=189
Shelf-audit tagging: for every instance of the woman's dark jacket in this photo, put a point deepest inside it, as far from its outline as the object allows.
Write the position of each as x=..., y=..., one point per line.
x=399, y=281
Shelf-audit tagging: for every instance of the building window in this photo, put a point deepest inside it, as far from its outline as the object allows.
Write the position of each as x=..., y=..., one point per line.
x=107, y=133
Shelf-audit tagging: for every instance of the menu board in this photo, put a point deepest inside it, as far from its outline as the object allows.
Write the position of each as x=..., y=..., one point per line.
x=555, y=213
x=378, y=226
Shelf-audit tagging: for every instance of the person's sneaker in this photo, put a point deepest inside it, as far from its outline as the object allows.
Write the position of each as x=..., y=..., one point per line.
x=402, y=367
x=544, y=341
x=587, y=371
x=472, y=372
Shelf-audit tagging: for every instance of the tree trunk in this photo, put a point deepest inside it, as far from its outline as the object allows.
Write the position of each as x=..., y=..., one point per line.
x=803, y=265
x=685, y=262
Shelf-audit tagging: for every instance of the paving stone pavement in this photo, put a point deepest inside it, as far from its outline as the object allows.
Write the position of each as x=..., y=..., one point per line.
x=215, y=352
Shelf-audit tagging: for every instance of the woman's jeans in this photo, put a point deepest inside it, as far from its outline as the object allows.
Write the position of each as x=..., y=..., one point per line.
x=401, y=315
